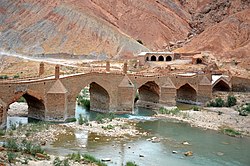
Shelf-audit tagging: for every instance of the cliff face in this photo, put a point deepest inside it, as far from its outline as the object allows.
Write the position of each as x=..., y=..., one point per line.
x=95, y=27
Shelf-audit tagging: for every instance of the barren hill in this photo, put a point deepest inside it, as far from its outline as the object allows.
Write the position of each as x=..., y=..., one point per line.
x=93, y=27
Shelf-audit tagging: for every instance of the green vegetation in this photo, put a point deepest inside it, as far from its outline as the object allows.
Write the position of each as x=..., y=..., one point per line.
x=4, y=77
x=24, y=147
x=11, y=157
x=173, y=111
x=129, y=163
x=82, y=120
x=16, y=75
x=231, y=101
x=108, y=127
x=21, y=100
x=58, y=162
x=231, y=132
x=244, y=110
x=2, y=132
x=196, y=108
x=219, y=102
x=77, y=157
x=71, y=120
x=101, y=117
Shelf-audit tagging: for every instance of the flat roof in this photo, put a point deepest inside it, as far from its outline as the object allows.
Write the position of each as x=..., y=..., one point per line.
x=144, y=53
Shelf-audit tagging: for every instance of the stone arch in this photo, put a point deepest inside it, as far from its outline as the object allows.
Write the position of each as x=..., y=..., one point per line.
x=186, y=93
x=161, y=58
x=153, y=58
x=168, y=58
x=99, y=98
x=221, y=86
x=149, y=92
x=36, y=106
x=199, y=61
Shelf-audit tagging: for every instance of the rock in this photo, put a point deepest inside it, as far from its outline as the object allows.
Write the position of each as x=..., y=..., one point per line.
x=40, y=155
x=220, y=153
x=174, y=152
x=2, y=148
x=155, y=140
x=106, y=159
x=96, y=138
x=188, y=153
x=185, y=143
x=141, y=155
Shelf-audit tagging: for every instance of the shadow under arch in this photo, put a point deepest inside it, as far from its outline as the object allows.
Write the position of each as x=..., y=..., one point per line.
x=36, y=107
x=221, y=86
x=149, y=92
x=186, y=93
x=99, y=98
x=153, y=58
x=168, y=58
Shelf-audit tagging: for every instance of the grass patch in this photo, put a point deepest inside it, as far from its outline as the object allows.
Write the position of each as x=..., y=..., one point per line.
x=231, y=132
x=77, y=157
x=173, y=111
x=2, y=132
x=100, y=118
x=82, y=120
x=130, y=163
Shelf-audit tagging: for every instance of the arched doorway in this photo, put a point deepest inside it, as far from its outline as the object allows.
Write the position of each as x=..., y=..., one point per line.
x=147, y=59
x=153, y=58
x=161, y=58
x=168, y=58
x=198, y=61
x=149, y=92
x=187, y=94
x=221, y=86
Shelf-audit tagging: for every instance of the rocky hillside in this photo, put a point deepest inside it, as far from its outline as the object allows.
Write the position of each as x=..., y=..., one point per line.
x=93, y=27
x=115, y=28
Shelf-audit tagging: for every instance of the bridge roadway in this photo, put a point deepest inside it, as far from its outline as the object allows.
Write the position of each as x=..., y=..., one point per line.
x=54, y=99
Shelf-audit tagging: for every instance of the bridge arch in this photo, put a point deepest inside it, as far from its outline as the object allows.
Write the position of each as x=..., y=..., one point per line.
x=153, y=58
x=36, y=106
x=161, y=58
x=221, y=86
x=149, y=92
x=168, y=58
x=186, y=93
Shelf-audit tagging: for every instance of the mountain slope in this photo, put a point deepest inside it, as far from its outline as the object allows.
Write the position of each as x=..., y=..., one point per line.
x=93, y=27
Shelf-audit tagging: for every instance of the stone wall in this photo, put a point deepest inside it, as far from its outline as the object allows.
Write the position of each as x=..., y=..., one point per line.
x=240, y=84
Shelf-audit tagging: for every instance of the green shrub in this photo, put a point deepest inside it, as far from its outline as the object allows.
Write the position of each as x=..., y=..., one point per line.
x=11, y=144
x=129, y=163
x=4, y=77
x=11, y=157
x=82, y=120
x=231, y=101
x=196, y=108
x=76, y=157
x=99, y=118
x=244, y=110
x=92, y=159
x=108, y=127
x=2, y=132
x=16, y=76
x=13, y=126
x=21, y=100
x=230, y=132
x=57, y=162
x=173, y=111
x=219, y=102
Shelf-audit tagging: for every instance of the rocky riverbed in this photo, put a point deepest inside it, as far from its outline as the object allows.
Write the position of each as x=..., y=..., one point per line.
x=213, y=118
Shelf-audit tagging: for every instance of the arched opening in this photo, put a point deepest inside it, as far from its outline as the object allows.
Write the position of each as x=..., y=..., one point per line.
x=24, y=107
x=153, y=58
x=186, y=94
x=168, y=58
x=93, y=97
x=221, y=86
x=161, y=58
x=149, y=92
x=147, y=59
x=198, y=61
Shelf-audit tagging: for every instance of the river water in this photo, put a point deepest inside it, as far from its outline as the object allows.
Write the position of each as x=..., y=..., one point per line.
x=209, y=147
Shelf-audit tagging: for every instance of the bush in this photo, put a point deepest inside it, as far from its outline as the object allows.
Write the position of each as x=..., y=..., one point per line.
x=219, y=102
x=83, y=101
x=11, y=144
x=16, y=76
x=230, y=132
x=21, y=100
x=82, y=120
x=196, y=108
x=231, y=101
x=57, y=162
x=11, y=157
x=2, y=132
x=129, y=163
x=173, y=111
x=92, y=159
x=4, y=77
x=244, y=110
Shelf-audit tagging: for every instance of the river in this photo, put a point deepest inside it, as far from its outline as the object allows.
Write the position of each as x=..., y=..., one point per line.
x=208, y=147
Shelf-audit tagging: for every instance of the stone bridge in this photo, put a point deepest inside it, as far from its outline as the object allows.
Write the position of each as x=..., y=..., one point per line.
x=54, y=98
